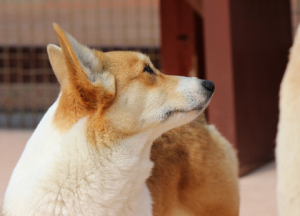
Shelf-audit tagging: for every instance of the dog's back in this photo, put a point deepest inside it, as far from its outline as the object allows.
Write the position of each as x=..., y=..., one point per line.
x=195, y=172
x=288, y=137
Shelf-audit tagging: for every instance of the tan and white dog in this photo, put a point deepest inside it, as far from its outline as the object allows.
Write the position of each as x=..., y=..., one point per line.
x=90, y=154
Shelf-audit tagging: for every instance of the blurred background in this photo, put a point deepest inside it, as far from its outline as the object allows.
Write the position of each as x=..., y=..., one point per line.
x=28, y=85
x=241, y=45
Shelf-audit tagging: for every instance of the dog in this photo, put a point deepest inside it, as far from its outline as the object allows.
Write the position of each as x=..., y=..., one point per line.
x=90, y=154
x=195, y=172
x=288, y=148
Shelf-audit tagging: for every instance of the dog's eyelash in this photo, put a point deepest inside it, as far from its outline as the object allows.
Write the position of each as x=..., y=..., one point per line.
x=148, y=69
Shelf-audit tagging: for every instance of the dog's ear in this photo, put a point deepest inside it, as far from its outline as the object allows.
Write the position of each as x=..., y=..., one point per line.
x=81, y=68
x=58, y=64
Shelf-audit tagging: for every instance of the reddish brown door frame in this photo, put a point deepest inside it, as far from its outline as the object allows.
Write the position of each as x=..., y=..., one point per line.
x=261, y=38
x=245, y=47
x=177, y=38
x=181, y=53
x=219, y=68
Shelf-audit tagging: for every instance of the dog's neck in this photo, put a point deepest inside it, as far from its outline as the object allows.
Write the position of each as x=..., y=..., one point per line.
x=122, y=169
x=118, y=171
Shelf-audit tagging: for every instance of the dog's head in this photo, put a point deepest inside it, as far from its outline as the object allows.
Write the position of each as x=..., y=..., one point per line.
x=121, y=90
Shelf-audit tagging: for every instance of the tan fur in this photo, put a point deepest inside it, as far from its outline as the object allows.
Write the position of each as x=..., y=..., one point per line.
x=288, y=136
x=78, y=96
x=195, y=173
x=80, y=99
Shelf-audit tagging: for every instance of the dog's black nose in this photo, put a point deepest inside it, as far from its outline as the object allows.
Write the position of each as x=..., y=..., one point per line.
x=209, y=85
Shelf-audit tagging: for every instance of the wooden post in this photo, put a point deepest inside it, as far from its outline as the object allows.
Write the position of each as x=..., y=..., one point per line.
x=219, y=66
x=245, y=50
x=177, y=38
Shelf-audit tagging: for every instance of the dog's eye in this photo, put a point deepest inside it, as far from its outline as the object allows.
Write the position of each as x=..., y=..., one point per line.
x=148, y=69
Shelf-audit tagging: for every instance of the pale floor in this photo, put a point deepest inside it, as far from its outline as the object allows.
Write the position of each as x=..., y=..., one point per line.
x=258, y=197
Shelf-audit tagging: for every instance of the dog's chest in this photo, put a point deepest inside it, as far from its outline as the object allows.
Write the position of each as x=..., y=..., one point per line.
x=87, y=186
x=73, y=179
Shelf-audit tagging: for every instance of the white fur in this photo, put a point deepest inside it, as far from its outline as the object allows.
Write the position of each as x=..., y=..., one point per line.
x=91, y=65
x=195, y=96
x=192, y=89
x=63, y=175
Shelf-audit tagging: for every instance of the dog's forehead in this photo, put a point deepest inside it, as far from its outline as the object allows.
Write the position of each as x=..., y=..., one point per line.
x=128, y=57
x=142, y=57
x=126, y=65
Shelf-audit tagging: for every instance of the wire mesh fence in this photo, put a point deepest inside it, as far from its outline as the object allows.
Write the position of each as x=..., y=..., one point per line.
x=27, y=84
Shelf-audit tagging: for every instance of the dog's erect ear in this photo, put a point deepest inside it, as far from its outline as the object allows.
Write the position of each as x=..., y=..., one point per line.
x=78, y=66
x=58, y=64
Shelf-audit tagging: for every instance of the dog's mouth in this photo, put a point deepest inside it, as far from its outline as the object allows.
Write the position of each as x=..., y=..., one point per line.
x=171, y=112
